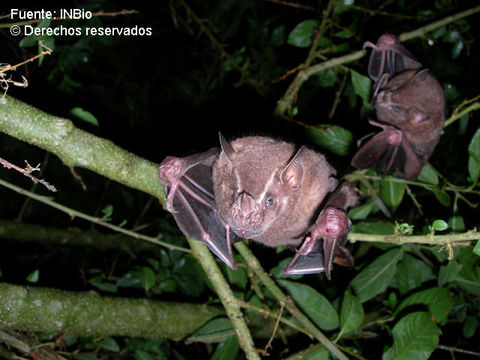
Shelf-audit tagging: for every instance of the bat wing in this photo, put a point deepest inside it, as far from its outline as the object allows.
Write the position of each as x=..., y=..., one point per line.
x=190, y=198
x=389, y=56
x=327, y=237
x=389, y=151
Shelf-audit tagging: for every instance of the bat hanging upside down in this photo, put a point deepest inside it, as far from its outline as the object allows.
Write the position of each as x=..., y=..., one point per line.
x=261, y=189
x=410, y=106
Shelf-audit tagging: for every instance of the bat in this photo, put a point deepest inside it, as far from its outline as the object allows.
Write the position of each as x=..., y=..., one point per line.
x=388, y=58
x=265, y=190
x=411, y=110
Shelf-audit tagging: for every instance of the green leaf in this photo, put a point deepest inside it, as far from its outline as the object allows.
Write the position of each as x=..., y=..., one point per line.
x=362, y=85
x=470, y=326
x=474, y=157
x=375, y=278
x=351, y=315
x=226, y=350
x=448, y=273
x=411, y=273
x=442, y=197
x=314, y=304
x=438, y=301
x=109, y=344
x=216, y=330
x=468, y=276
x=361, y=212
x=317, y=354
x=301, y=35
x=476, y=250
x=456, y=220
x=325, y=78
x=237, y=277
x=415, y=336
x=142, y=355
x=130, y=279
x=451, y=92
x=428, y=175
x=34, y=276
x=378, y=227
x=84, y=115
x=439, y=225
x=332, y=137
x=107, y=212
x=148, y=277
x=104, y=286
x=392, y=192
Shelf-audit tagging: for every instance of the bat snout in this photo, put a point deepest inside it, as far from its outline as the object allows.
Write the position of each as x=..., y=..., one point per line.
x=246, y=212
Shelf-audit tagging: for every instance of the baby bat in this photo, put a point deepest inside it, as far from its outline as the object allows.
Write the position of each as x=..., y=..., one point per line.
x=261, y=189
x=411, y=109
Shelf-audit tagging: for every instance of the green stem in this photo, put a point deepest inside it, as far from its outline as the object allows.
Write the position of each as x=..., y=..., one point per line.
x=228, y=299
x=283, y=299
x=429, y=239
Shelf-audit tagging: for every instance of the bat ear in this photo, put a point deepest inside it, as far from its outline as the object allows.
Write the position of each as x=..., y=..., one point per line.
x=421, y=75
x=227, y=149
x=292, y=174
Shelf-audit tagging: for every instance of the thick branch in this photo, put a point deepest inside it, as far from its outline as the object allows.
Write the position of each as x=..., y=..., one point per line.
x=76, y=147
x=89, y=314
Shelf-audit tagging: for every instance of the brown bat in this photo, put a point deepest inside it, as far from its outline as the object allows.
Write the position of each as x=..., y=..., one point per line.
x=410, y=104
x=265, y=190
x=411, y=109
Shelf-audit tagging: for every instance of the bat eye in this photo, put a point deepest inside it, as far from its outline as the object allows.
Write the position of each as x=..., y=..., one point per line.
x=269, y=202
x=395, y=109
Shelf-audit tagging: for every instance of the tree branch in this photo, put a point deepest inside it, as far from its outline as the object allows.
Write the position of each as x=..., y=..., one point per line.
x=76, y=147
x=89, y=314
x=430, y=239
x=227, y=297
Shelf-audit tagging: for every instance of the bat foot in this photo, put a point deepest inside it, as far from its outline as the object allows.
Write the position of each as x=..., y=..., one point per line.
x=171, y=170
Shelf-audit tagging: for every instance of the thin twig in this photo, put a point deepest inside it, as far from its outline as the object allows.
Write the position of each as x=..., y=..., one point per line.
x=27, y=172
x=290, y=4
x=277, y=322
x=462, y=239
x=74, y=213
x=452, y=349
